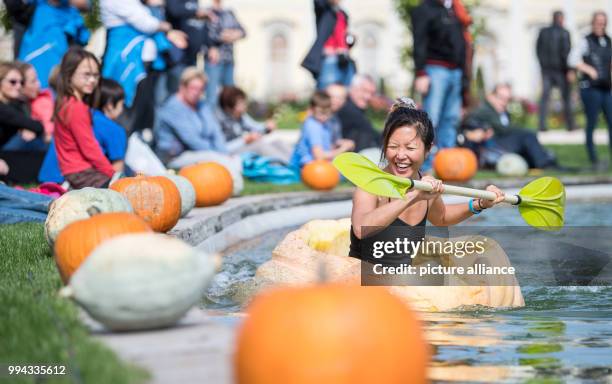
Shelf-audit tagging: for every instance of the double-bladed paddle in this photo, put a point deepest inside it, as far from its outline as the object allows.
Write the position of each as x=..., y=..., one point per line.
x=541, y=203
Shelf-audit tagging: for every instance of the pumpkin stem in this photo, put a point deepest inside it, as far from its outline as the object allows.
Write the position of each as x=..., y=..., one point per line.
x=93, y=210
x=322, y=272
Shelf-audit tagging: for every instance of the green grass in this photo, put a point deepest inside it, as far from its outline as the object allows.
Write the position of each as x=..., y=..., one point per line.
x=37, y=327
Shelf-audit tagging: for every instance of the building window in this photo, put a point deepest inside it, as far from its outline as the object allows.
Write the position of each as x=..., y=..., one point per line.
x=278, y=65
x=368, y=49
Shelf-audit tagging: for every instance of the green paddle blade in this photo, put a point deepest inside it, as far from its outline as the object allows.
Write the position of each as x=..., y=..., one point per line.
x=543, y=203
x=366, y=175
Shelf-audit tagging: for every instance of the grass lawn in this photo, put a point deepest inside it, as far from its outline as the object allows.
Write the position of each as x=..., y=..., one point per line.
x=37, y=327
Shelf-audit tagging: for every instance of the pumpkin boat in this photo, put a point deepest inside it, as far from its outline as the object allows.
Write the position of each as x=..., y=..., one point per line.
x=323, y=244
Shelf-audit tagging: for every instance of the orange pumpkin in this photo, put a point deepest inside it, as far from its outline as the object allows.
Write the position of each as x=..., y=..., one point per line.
x=455, y=164
x=330, y=334
x=321, y=175
x=156, y=199
x=78, y=239
x=212, y=182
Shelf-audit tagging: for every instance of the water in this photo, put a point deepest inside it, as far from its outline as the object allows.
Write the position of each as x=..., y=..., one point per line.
x=563, y=334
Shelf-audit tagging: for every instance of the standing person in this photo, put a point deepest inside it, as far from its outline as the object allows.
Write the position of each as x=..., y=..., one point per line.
x=19, y=13
x=592, y=58
x=189, y=17
x=55, y=26
x=553, y=47
x=328, y=60
x=439, y=61
x=80, y=157
x=223, y=32
x=135, y=44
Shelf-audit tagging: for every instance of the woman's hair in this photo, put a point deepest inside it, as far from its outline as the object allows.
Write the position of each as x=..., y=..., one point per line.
x=404, y=112
x=111, y=92
x=63, y=83
x=320, y=99
x=191, y=73
x=229, y=96
x=23, y=67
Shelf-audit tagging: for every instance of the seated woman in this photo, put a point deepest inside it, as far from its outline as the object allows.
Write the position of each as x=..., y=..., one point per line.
x=40, y=101
x=242, y=132
x=186, y=131
x=21, y=145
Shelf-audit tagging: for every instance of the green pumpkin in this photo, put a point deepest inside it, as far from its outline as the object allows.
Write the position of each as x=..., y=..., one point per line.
x=73, y=206
x=188, y=195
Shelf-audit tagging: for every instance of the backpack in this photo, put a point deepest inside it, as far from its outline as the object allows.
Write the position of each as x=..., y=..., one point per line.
x=268, y=170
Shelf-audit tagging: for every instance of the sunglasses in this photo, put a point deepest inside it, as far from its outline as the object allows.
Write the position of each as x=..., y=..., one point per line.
x=14, y=82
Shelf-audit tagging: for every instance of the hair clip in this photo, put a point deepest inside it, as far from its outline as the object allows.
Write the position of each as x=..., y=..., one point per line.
x=406, y=102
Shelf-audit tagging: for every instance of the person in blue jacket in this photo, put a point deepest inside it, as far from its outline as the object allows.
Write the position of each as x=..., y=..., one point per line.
x=54, y=27
x=138, y=42
x=110, y=135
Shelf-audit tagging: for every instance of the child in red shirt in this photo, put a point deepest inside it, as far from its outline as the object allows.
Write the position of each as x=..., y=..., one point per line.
x=80, y=157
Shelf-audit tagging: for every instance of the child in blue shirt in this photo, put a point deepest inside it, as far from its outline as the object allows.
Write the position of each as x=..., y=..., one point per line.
x=110, y=135
x=318, y=140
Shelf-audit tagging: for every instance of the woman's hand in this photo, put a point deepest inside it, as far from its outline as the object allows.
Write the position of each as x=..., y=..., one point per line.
x=484, y=203
x=418, y=195
x=251, y=137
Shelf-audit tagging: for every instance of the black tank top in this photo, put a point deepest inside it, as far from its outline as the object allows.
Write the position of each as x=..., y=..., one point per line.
x=410, y=232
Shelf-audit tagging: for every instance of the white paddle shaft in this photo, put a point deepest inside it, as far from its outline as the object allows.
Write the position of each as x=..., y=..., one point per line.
x=467, y=192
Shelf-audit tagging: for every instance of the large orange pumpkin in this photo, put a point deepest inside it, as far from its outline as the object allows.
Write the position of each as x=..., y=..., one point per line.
x=156, y=199
x=321, y=175
x=330, y=334
x=212, y=182
x=455, y=164
x=78, y=239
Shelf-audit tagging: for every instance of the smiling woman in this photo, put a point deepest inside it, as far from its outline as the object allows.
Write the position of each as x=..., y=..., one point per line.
x=407, y=138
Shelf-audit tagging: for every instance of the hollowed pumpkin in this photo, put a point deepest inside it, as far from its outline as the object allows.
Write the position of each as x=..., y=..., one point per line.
x=320, y=175
x=156, y=199
x=212, y=182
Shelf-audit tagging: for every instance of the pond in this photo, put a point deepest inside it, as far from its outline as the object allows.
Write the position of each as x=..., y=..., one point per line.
x=563, y=334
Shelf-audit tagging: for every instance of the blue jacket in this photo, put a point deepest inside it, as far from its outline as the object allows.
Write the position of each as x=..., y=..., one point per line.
x=179, y=128
x=49, y=35
x=123, y=57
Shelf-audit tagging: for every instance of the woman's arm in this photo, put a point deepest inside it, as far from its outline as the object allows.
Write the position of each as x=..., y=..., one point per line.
x=366, y=213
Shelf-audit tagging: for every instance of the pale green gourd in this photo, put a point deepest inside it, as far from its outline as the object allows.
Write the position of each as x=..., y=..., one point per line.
x=73, y=206
x=141, y=281
x=188, y=195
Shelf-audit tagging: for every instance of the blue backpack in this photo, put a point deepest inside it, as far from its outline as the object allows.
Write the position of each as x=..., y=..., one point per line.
x=268, y=170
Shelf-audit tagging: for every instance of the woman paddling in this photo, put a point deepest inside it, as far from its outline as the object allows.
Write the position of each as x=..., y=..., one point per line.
x=407, y=139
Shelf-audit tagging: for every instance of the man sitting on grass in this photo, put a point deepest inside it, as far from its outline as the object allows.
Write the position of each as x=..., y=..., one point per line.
x=493, y=113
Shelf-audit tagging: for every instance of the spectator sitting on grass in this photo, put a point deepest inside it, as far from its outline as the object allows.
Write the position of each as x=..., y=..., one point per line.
x=110, y=135
x=242, y=132
x=355, y=123
x=187, y=132
x=40, y=102
x=317, y=140
x=493, y=113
